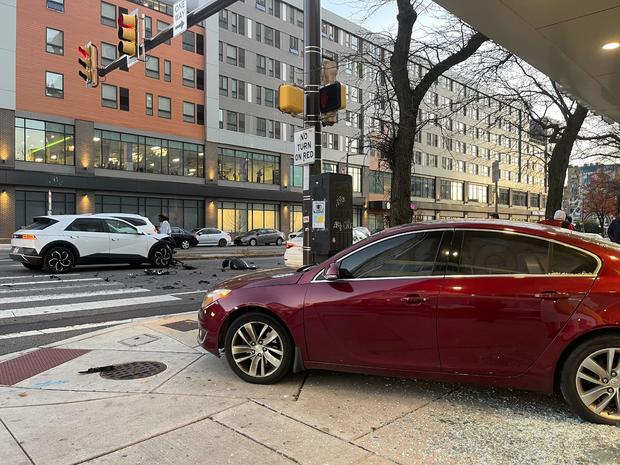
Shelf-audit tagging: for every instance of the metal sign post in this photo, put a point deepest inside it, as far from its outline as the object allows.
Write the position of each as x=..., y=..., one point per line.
x=312, y=114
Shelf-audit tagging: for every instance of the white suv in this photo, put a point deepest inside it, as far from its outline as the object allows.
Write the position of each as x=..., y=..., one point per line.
x=58, y=243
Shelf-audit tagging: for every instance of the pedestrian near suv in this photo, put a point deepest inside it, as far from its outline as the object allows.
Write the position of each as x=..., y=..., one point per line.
x=164, y=224
x=613, y=231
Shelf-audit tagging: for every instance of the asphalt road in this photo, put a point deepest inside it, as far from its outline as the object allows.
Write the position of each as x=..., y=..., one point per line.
x=37, y=309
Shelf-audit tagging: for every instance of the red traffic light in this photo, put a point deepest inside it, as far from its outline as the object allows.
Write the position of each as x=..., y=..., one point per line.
x=126, y=21
x=331, y=97
x=84, y=53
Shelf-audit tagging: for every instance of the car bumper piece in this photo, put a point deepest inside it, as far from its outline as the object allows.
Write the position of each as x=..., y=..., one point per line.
x=25, y=255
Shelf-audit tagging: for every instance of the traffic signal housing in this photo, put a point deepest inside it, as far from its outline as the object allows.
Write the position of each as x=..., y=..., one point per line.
x=291, y=99
x=88, y=59
x=333, y=97
x=128, y=34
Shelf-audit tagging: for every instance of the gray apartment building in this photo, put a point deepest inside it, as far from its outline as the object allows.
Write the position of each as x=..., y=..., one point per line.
x=195, y=132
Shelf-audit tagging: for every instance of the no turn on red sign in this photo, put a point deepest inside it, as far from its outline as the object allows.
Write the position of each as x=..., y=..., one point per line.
x=304, y=147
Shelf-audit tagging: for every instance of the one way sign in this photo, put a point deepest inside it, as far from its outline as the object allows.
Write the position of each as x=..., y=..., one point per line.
x=180, y=17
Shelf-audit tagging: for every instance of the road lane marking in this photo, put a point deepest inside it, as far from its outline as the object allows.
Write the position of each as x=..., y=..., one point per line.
x=50, y=281
x=73, y=295
x=55, y=288
x=82, y=306
x=30, y=276
x=189, y=292
x=41, y=332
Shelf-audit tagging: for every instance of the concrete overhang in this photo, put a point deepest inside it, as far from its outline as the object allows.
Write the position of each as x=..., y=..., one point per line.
x=561, y=38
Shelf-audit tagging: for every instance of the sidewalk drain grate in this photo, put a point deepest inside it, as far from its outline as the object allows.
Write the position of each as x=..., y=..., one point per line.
x=134, y=370
x=183, y=326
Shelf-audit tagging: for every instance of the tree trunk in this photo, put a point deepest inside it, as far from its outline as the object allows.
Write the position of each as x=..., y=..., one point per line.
x=558, y=164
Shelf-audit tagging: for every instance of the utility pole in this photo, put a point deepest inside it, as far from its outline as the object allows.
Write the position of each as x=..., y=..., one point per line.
x=313, y=58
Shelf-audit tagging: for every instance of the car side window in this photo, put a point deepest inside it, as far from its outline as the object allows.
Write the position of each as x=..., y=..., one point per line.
x=493, y=252
x=131, y=220
x=405, y=255
x=118, y=227
x=567, y=260
x=176, y=230
x=212, y=231
x=86, y=225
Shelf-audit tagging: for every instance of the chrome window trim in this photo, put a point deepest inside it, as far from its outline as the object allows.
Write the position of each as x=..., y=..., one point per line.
x=507, y=275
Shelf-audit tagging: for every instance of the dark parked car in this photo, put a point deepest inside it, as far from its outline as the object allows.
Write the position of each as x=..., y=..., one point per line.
x=508, y=304
x=261, y=237
x=182, y=238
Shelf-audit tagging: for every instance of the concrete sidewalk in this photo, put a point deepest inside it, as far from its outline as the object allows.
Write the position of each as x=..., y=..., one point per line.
x=198, y=412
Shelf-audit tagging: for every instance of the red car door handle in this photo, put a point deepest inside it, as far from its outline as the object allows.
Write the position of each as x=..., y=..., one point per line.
x=551, y=295
x=414, y=299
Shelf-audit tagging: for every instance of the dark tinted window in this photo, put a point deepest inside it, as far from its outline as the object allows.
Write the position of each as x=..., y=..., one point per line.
x=40, y=223
x=119, y=227
x=406, y=255
x=86, y=225
x=134, y=221
x=567, y=260
x=490, y=252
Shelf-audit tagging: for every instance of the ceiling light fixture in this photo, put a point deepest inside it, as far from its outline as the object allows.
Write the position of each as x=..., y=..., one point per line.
x=611, y=45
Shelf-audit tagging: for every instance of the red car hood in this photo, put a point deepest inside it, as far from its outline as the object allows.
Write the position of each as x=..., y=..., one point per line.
x=273, y=277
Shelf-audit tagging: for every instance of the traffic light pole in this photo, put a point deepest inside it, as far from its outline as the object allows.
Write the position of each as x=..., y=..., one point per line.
x=313, y=58
x=193, y=18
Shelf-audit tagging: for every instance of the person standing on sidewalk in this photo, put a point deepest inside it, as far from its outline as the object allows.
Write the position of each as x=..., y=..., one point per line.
x=613, y=231
x=164, y=225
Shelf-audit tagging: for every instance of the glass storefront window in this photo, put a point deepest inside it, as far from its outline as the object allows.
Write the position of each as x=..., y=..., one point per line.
x=29, y=204
x=296, y=175
x=295, y=218
x=238, y=165
x=44, y=142
x=241, y=216
x=130, y=152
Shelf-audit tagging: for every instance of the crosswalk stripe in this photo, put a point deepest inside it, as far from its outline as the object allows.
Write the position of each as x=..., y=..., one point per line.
x=55, y=288
x=73, y=295
x=50, y=281
x=78, y=307
x=35, y=276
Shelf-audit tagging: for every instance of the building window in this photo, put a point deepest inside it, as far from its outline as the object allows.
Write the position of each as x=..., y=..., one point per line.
x=296, y=177
x=55, y=42
x=189, y=41
x=519, y=198
x=182, y=212
x=108, y=53
x=380, y=182
x=30, y=204
x=44, y=142
x=161, y=25
x=239, y=165
x=123, y=98
x=54, y=84
x=149, y=104
x=56, y=5
x=477, y=193
x=534, y=201
x=189, y=112
x=240, y=216
x=296, y=214
x=129, y=152
x=356, y=173
x=269, y=97
x=504, y=197
x=261, y=64
x=189, y=76
x=108, y=96
x=261, y=127
x=224, y=86
x=164, y=107
x=148, y=27
x=329, y=167
x=423, y=187
x=451, y=190
x=294, y=45
x=151, y=68
x=167, y=71
x=108, y=14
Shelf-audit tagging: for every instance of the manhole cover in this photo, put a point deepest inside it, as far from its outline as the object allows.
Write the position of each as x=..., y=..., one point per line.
x=134, y=370
x=183, y=325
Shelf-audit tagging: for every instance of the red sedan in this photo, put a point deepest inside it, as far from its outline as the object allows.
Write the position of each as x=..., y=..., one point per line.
x=499, y=303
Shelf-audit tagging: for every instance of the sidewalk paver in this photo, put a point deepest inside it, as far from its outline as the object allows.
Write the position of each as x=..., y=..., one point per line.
x=349, y=406
x=69, y=433
x=202, y=443
x=20, y=397
x=10, y=452
x=212, y=376
x=294, y=439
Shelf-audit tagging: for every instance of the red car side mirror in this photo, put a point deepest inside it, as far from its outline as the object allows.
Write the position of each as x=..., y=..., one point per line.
x=332, y=272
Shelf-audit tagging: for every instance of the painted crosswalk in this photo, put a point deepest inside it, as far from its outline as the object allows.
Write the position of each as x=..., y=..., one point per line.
x=74, y=295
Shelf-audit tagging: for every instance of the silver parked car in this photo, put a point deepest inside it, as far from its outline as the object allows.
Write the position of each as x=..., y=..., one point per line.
x=213, y=236
x=261, y=236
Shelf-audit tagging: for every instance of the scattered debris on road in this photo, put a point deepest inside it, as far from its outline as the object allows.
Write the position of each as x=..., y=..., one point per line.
x=97, y=369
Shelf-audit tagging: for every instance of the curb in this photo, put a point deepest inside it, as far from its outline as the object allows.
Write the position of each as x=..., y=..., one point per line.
x=222, y=257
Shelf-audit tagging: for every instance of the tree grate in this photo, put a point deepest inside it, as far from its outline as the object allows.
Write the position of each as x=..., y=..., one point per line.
x=134, y=370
